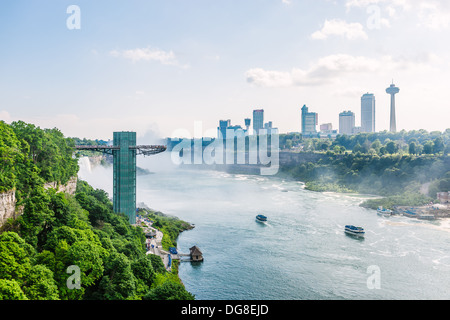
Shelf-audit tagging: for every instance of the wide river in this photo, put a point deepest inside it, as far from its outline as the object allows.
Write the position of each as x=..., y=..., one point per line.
x=302, y=251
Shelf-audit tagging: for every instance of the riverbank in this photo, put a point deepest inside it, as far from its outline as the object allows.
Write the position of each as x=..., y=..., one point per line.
x=401, y=179
x=162, y=232
x=412, y=201
x=411, y=197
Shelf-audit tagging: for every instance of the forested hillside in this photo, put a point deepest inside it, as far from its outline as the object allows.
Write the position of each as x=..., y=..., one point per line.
x=415, y=142
x=31, y=156
x=58, y=233
x=408, y=168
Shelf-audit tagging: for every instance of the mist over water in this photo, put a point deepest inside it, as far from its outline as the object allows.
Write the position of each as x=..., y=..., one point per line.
x=99, y=177
x=301, y=252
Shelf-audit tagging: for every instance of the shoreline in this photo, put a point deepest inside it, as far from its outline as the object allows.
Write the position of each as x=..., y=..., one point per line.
x=444, y=224
x=158, y=249
x=366, y=198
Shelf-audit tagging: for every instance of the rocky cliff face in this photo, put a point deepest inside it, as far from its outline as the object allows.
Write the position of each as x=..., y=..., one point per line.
x=7, y=205
x=70, y=187
x=8, y=199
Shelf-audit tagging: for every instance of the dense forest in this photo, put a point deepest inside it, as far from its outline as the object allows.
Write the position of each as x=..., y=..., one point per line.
x=58, y=232
x=404, y=142
x=407, y=168
x=31, y=156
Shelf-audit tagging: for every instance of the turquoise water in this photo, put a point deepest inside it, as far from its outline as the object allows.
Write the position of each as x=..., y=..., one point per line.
x=302, y=251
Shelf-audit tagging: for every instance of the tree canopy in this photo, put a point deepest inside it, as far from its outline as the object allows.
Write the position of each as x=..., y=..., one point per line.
x=57, y=232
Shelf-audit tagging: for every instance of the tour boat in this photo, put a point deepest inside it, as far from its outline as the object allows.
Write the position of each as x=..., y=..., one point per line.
x=261, y=218
x=384, y=212
x=355, y=231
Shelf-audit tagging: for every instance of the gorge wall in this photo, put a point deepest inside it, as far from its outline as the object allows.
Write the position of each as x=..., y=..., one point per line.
x=70, y=187
x=8, y=208
x=7, y=205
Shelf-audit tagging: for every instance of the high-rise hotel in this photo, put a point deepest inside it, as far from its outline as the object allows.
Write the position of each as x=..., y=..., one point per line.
x=368, y=113
x=258, y=120
x=309, y=122
x=346, y=122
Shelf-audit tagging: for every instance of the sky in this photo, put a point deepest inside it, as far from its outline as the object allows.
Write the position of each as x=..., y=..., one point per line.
x=167, y=68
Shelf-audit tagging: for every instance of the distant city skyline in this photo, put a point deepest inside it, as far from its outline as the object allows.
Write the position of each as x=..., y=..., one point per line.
x=156, y=67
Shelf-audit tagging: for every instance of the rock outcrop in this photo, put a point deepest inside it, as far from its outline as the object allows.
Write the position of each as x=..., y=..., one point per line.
x=70, y=187
x=7, y=205
x=8, y=199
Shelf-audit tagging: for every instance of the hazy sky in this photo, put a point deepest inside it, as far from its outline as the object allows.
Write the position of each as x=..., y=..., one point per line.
x=159, y=66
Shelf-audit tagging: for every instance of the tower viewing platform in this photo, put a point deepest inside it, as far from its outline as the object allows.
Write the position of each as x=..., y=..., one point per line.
x=124, y=151
x=392, y=90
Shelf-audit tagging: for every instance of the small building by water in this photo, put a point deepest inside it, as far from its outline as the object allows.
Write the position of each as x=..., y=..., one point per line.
x=196, y=254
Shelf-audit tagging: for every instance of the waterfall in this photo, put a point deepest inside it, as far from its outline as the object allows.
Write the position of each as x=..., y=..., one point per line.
x=85, y=166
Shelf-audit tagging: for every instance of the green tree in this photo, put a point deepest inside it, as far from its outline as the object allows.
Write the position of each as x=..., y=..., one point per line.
x=288, y=144
x=46, y=258
x=438, y=145
x=143, y=270
x=40, y=285
x=37, y=218
x=428, y=147
x=357, y=148
x=87, y=256
x=447, y=149
x=157, y=263
x=15, y=257
x=391, y=147
x=118, y=282
x=376, y=145
x=10, y=156
x=412, y=148
x=169, y=291
x=10, y=290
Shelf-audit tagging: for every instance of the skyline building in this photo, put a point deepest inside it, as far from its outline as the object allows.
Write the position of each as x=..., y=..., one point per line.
x=258, y=120
x=236, y=130
x=269, y=128
x=222, y=129
x=368, y=113
x=326, y=130
x=326, y=127
x=226, y=127
x=346, y=122
x=309, y=121
x=247, y=122
x=392, y=90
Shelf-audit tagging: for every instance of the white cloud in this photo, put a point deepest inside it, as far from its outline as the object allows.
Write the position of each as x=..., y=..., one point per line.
x=288, y=2
x=391, y=11
x=266, y=78
x=322, y=71
x=434, y=16
x=431, y=14
x=333, y=67
x=338, y=27
x=364, y=3
x=148, y=54
x=5, y=116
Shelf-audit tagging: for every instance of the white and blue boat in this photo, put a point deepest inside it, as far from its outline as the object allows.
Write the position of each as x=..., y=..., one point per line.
x=261, y=218
x=354, y=231
x=382, y=212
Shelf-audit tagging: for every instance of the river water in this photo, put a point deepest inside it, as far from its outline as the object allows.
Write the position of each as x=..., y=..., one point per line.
x=302, y=251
